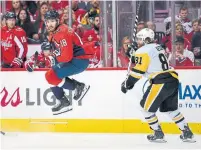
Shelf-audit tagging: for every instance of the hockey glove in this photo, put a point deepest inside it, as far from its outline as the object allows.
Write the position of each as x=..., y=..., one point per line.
x=16, y=63
x=29, y=65
x=128, y=84
x=131, y=48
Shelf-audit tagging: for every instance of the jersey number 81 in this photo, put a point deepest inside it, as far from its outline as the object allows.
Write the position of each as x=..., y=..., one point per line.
x=163, y=61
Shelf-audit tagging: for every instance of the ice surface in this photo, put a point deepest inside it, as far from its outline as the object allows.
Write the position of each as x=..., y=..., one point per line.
x=55, y=141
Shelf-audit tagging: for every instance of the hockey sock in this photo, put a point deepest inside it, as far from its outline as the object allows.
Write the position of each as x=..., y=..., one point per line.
x=152, y=120
x=58, y=92
x=178, y=118
x=68, y=84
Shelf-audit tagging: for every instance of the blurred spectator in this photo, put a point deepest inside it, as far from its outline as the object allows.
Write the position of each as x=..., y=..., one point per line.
x=141, y=25
x=39, y=23
x=151, y=25
x=13, y=43
x=85, y=4
x=184, y=57
x=179, y=32
x=25, y=23
x=89, y=16
x=59, y=5
x=31, y=8
x=122, y=58
x=3, y=21
x=76, y=26
x=79, y=13
x=8, y=6
x=195, y=29
x=16, y=6
x=196, y=43
x=93, y=34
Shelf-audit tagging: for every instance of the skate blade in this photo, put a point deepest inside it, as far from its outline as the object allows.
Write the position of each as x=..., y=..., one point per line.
x=86, y=89
x=62, y=111
x=158, y=141
x=189, y=141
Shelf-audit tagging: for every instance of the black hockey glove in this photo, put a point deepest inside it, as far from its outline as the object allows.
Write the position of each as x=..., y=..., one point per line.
x=131, y=48
x=128, y=84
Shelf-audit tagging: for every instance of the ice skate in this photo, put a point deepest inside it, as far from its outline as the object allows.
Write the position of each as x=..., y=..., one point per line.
x=157, y=137
x=80, y=91
x=187, y=135
x=62, y=106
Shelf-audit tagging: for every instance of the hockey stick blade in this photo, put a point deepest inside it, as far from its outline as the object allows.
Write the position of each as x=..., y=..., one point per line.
x=3, y=133
x=36, y=58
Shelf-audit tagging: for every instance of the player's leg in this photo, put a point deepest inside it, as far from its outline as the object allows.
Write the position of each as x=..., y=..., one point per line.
x=64, y=70
x=170, y=107
x=150, y=103
x=63, y=102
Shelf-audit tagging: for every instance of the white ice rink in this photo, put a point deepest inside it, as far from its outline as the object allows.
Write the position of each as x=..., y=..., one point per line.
x=67, y=141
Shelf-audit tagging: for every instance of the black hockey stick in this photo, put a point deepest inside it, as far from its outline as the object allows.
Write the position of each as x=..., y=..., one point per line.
x=133, y=39
x=3, y=133
x=35, y=58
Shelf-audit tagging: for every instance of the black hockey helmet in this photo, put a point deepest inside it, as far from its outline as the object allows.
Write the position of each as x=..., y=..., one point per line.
x=10, y=15
x=52, y=14
x=46, y=46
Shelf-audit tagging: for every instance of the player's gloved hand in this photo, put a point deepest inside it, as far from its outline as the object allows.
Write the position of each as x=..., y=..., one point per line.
x=123, y=88
x=16, y=63
x=29, y=65
x=128, y=84
x=131, y=48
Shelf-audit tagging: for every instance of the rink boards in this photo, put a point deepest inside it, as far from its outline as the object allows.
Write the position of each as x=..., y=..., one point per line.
x=26, y=102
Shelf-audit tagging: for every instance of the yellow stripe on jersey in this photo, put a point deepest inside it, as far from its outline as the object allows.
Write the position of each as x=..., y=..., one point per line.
x=155, y=90
x=135, y=76
x=153, y=75
x=142, y=62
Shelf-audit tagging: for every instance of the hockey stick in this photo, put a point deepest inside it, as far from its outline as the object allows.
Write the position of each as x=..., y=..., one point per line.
x=133, y=40
x=3, y=133
x=35, y=58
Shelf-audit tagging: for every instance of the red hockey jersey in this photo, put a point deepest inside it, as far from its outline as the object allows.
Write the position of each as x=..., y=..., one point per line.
x=13, y=44
x=68, y=44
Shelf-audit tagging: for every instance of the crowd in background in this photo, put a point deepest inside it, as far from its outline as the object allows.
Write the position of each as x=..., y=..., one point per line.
x=86, y=23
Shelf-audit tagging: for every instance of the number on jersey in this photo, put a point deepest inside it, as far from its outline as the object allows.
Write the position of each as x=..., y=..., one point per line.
x=23, y=39
x=164, y=62
x=138, y=60
x=63, y=43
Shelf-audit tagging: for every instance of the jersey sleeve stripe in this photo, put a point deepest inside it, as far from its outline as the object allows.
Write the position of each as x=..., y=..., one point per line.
x=138, y=71
x=19, y=44
x=79, y=38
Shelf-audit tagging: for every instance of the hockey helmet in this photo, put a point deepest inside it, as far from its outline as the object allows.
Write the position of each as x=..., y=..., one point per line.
x=146, y=35
x=46, y=46
x=9, y=15
x=52, y=14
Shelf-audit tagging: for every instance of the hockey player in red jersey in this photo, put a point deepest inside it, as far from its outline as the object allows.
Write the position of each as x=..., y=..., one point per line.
x=40, y=60
x=70, y=58
x=13, y=43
